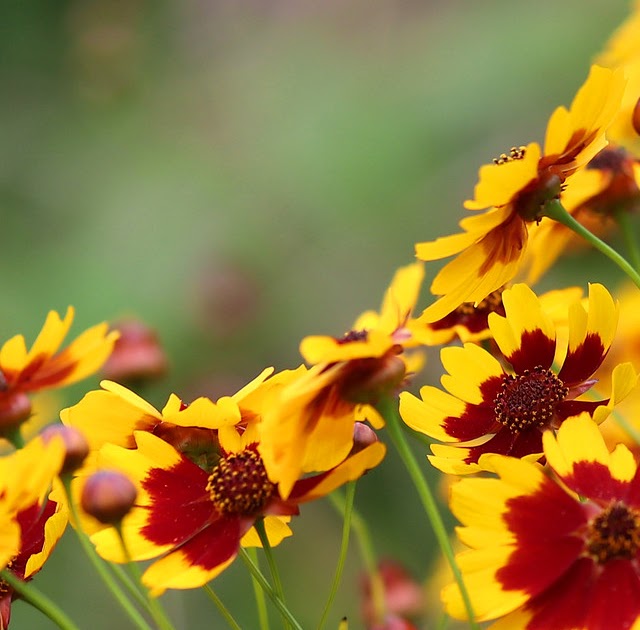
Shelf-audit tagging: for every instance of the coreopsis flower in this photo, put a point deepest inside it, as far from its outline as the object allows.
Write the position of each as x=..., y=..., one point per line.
x=310, y=426
x=487, y=408
x=44, y=366
x=32, y=517
x=558, y=551
x=514, y=191
x=217, y=505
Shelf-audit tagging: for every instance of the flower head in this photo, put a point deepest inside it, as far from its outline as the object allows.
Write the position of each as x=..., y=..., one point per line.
x=218, y=504
x=489, y=409
x=310, y=426
x=43, y=366
x=515, y=190
x=556, y=552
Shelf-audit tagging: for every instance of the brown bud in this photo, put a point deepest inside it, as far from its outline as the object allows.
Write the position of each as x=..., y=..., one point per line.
x=363, y=436
x=137, y=354
x=369, y=380
x=635, y=117
x=75, y=444
x=15, y=408
x=108, y=496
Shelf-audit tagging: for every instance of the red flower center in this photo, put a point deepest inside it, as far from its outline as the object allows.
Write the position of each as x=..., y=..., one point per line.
x=239, y=484
x=528, y=399
x=614, y=533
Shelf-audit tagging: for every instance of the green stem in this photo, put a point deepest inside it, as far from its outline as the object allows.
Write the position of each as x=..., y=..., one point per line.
x=555, y=210
x=16, y=438
x=630, y=241
x=152, y=604
x=224, y=611
x=388, y=409
x=38, y=600
x=261, y=602
x=344, y=547
x=361, y=530
x=264, y=585
x=100, y=565
x=271, y=561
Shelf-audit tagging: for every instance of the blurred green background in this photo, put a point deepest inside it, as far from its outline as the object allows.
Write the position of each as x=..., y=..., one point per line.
x=241, y=174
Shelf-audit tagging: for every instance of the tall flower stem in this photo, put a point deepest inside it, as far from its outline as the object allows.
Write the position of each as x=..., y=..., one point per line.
x=271, y=561
x=152, y=604
x=363, y=537
x=344, y=547
x=556, y=211
x=388, y=408
x=261, y=602
x=266, y=587
x=100, y=566
x=224, y=611
x=630, y=241
x=38, y=600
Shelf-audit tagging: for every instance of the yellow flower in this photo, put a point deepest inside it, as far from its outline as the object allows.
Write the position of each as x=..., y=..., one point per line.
x=552, y=551
x=45, y=366
x=310, y=425
x=514, y=191
x=488, y=408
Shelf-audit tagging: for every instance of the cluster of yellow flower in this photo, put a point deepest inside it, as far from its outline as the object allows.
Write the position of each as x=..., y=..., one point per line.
x=551, y=515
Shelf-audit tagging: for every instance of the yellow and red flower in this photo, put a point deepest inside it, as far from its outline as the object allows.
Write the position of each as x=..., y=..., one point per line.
x=217, y=504
x=555, y=552
x=310, y=426
x=515, y=190
x=32, y=519
x=488, y=409
x=44, y=366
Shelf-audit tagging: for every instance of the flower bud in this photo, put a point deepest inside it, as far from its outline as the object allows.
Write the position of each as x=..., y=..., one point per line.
x=75, y=444
x=363, y=436
x=15, y=408
x=635, y=117
x=368, y=380
x=108, y=496
x=137, y=354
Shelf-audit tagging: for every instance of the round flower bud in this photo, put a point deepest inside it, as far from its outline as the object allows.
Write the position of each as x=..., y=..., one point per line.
x=15, y=408
x=108, y=496
x=137, y=354
x=75, y=444
x=363, y=436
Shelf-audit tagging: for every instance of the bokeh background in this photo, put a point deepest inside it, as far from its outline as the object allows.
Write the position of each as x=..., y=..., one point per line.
x=242, y=173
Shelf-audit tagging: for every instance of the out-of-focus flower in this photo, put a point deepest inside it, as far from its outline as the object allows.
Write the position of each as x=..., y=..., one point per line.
x=310, y=426
x=217, y=505
x=137, y=354
x=552, y=552
x=403, y=596
x=487, y=409
x=44, y=366
x=515, y=190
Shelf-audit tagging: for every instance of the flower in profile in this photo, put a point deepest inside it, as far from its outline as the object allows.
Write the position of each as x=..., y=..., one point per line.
x=217, y=505
x=489, y=409
x=32, y=517
x=310, y=426
x=557, y=552
x=515, y=191
x=44, y=366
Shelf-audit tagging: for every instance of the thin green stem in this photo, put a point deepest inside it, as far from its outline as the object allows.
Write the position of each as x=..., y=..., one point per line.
x=266, y=587
x=261, y=602
x=271, y=561
x=101, y=567
x=222, y=609
x=555, y=210
x=38, y=600
x=15, y=437
x=389, y=411
x=152, y=604
x=344, y=547
x=630, y=241
x=363, y=537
